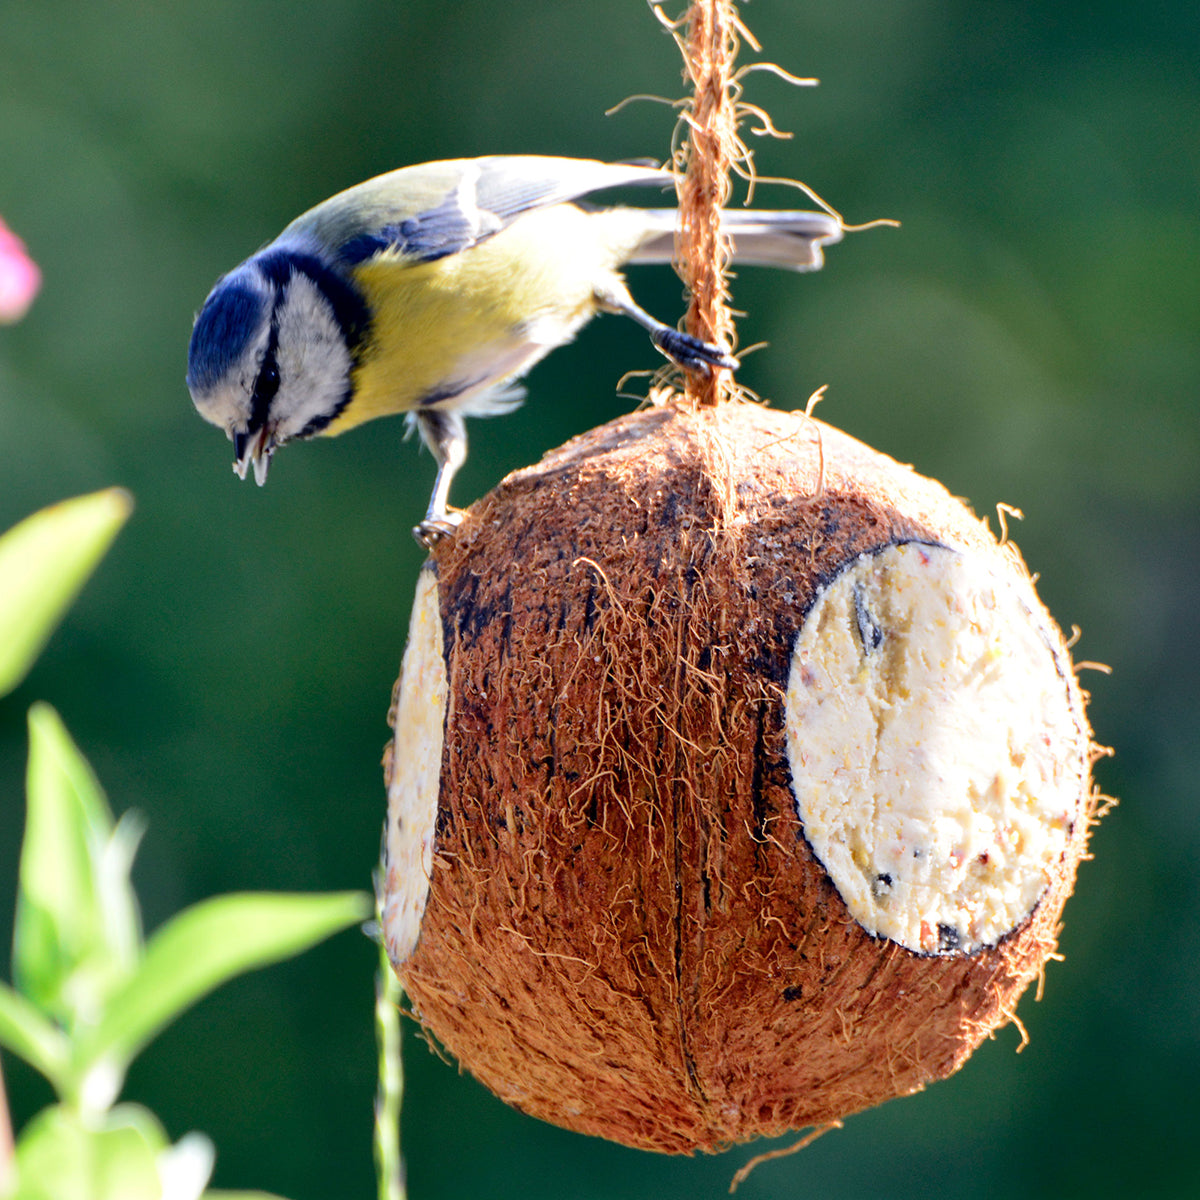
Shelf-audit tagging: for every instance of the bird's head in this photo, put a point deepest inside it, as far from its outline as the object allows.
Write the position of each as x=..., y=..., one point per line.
x=273, y=350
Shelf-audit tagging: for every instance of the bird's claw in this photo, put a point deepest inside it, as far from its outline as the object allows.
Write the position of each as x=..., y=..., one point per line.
x=435, y=529
x=691, y=353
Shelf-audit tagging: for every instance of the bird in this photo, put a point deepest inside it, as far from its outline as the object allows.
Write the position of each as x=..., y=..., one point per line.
x=430, y=290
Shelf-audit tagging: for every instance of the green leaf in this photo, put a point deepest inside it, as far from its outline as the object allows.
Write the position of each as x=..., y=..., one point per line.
x=44, y=562
x=25, y=1032
x=60, y=1157
x=201, y=948
x=222, y=1194
x=77, y=934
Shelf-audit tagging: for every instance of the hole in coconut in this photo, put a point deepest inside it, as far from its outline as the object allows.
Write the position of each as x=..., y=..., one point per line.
x=936, y=760
x=416, y=774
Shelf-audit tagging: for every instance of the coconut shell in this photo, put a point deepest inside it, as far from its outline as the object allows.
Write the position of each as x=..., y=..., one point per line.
x=625, y=930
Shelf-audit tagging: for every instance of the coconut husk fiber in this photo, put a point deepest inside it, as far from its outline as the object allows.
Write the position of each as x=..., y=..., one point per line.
x=626, y=932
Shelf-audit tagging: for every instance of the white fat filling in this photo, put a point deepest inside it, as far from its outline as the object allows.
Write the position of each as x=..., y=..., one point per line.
x=416, y=774
x=936, y=759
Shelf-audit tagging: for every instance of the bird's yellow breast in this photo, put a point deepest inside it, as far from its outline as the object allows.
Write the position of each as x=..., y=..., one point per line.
x=480, y=316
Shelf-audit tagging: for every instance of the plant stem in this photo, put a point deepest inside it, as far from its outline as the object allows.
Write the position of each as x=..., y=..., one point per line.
x=389, y=1165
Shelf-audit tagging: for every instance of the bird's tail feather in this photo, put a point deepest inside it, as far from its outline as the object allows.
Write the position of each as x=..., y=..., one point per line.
x=789, y=240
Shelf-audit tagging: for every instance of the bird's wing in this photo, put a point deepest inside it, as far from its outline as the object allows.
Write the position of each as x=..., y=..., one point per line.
x=510, y=185
x=430, y=211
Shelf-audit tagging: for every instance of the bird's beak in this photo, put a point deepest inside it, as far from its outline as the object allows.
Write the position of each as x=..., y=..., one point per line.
x=253, y=448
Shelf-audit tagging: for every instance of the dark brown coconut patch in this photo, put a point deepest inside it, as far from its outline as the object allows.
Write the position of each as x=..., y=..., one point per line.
x=613, y=917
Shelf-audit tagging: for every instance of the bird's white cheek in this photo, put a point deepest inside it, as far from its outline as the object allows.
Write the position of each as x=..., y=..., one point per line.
x=314, y=361
x=316, y=375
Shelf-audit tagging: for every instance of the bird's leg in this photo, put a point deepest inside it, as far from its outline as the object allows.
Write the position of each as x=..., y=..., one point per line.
x=445, y=434
x=690, y=353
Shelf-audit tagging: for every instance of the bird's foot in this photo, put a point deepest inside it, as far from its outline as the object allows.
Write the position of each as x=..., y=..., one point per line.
x=691, y=353
x=437, y=527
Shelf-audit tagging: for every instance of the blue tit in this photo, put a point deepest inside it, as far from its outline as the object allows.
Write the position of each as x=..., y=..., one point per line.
x=429, y=290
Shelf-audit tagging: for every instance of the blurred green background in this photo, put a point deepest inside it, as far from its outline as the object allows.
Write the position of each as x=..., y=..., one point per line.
x=1030, y=335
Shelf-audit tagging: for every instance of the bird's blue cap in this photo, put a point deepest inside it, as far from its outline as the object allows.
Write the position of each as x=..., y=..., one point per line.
x=230, y=320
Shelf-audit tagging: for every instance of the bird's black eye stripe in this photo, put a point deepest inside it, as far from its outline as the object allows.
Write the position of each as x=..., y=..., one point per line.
x=266, y=384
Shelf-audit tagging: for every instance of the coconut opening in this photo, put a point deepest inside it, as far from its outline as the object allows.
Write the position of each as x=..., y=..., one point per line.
x=416, y=767
x=928, y=724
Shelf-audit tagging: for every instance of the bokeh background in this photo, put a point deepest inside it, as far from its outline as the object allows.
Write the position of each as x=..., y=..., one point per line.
x=1030, y=335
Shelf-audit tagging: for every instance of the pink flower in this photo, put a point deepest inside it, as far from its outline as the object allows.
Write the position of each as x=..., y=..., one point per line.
x=19, y=277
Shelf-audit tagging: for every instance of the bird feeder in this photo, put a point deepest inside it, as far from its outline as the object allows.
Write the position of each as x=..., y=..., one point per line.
x=738, y=782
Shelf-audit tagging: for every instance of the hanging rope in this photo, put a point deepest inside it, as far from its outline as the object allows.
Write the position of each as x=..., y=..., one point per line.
x=712, y=147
